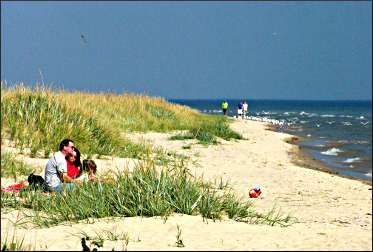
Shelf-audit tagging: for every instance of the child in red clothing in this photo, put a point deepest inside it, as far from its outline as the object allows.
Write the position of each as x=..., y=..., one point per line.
x=73, y=164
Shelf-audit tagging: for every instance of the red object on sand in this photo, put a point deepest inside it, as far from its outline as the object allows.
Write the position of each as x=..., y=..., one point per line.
x=13, y=188
x=254, y=193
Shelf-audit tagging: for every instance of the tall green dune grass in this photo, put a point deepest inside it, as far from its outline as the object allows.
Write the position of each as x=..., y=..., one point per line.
x=39, y=118
x=10, y=167
x=144, y=192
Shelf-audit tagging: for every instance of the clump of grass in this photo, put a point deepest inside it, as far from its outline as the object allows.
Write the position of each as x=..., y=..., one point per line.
x=182, y=136
x=104, y=235
x=39, y=119
x=10, y=167
x=14, y=245
x=144, y=192
x=208, y=131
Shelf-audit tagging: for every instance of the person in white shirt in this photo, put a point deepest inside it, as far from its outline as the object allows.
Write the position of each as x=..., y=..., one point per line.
x=56, y=168
x=245, y=108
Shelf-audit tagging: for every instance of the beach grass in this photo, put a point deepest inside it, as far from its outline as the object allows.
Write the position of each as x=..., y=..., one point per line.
x=38, y=118
x=207, y=132
x=14, y=244
x=146, y=191
x=12, y=168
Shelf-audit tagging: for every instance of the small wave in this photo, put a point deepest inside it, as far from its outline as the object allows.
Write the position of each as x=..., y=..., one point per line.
x=360, y=142
x=268, y=120
x=327, y=115
x=309, y=135
x=266, y=113
x=347, y=123
x=369, y=174
x=303, y=113
x=303, y=122
x=351, y=160
x=312, y=115
x=332, y=152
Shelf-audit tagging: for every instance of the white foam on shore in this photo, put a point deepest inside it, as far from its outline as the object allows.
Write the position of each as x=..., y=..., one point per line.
x=268, y=120
x=332, y=152
x=348, y=116
x=351, y=160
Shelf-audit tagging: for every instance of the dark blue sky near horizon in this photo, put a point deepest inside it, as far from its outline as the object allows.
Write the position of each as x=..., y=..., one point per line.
x=192, y=50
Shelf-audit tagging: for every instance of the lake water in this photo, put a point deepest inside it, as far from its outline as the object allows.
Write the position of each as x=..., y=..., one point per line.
x=337, y=133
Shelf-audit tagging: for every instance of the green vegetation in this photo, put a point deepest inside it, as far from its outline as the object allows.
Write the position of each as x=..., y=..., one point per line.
x=144, y=192
x=39, y=118
x=10, y=167
x=206, y=133
x=15, y=244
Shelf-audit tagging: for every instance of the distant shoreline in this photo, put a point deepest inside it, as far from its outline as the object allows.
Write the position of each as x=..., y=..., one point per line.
x=302, y=158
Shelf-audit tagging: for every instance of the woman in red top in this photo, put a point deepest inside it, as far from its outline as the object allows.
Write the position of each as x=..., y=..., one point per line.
x=73, y=164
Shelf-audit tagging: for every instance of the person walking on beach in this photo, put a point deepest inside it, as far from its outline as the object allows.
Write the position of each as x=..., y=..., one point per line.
x=56, y=167
x=224, y=107
x=245, y=108
x=239, y=109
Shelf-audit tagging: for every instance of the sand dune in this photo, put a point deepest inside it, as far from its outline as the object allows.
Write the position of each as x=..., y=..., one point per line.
x=332, y=212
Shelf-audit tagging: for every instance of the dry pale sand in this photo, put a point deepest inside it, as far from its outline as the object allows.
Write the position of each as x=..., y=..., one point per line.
x=332, y=212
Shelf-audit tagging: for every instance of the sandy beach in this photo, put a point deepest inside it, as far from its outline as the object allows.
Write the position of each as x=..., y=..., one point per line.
x=332, y=212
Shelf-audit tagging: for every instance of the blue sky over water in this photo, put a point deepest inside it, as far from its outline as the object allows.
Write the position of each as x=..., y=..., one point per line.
x=260, y=50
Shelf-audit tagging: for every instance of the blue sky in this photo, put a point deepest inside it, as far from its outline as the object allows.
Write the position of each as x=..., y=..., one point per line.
x=256, y=50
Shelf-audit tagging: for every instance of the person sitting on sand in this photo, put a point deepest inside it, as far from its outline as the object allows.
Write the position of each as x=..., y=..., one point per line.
x=88, y=171
x=56, y=168
x=73, y=167
x=73, y=164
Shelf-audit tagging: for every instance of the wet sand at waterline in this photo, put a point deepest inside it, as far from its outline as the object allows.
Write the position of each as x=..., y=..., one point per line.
x=332, y=212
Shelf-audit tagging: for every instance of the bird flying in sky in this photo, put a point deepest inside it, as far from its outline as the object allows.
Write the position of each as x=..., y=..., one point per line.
x=83, y=38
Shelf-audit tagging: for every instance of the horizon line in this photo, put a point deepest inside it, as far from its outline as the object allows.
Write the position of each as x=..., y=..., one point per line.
x=269, y=99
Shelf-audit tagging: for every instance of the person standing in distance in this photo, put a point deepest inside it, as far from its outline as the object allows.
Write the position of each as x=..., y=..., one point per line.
x=56, y=167
x=245, y=108
x=239, y=109
x=224, y=107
